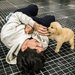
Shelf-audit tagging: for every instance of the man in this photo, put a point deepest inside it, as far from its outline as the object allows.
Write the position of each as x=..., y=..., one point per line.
x=22, y=25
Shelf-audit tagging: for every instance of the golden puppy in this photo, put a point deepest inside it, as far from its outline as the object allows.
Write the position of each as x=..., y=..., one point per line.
x=61, y=35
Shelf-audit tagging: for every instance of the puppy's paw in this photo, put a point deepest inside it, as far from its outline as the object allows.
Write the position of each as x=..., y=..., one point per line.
x=72, y=47
x=56, y=51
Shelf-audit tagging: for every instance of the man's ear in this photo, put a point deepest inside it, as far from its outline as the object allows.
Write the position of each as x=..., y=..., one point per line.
x=23, y=47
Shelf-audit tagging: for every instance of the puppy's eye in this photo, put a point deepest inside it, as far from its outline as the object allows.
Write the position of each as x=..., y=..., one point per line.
x=52, y=27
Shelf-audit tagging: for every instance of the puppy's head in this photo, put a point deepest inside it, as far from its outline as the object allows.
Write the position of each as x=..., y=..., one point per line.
x=30, y=61
x=55, y=28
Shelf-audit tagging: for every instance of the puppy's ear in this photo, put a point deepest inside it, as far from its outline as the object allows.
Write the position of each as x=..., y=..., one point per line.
x=58, y=30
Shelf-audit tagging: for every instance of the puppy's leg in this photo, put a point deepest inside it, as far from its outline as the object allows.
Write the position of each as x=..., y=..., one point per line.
x=59, y=44
x=72, y=43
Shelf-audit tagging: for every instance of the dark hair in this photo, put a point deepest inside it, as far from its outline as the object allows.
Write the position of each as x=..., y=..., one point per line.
x=30, y=61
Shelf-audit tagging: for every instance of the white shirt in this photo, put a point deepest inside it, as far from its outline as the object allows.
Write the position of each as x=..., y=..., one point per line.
x=13, y=35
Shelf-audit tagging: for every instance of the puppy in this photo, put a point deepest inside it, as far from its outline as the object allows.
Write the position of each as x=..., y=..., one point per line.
x=30, y=61
x=61, y=35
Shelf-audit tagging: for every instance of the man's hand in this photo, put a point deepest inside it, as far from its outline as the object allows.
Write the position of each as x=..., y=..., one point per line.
x=42, y=30
x=28, y=29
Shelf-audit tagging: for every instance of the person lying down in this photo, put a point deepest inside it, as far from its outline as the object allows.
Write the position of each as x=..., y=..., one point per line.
x=26, y=37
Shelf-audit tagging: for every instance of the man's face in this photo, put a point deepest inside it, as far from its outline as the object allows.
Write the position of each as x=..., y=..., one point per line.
x=34, y=44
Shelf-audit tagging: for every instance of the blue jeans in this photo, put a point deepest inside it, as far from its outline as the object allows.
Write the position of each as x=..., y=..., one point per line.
x=32, y=11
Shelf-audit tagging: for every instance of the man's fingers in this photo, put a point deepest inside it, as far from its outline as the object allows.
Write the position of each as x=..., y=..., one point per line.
x=43, y=27
x=28, y=30
x=43, y=34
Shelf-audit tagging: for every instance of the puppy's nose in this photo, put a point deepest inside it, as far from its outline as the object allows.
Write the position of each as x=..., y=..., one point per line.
x=47, y=29
x=49, y=32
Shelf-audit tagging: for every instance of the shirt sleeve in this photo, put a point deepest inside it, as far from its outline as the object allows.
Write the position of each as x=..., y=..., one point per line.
x=19, y=17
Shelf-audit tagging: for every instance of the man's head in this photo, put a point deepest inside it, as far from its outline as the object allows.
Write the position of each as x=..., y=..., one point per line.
x=30, y=61
x=32, y=44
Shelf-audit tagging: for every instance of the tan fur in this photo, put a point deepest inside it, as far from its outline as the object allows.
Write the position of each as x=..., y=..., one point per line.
x=61, y=35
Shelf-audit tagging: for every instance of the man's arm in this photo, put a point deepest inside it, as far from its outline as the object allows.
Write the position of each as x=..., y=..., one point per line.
x=39, y=28
x=19, y=17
